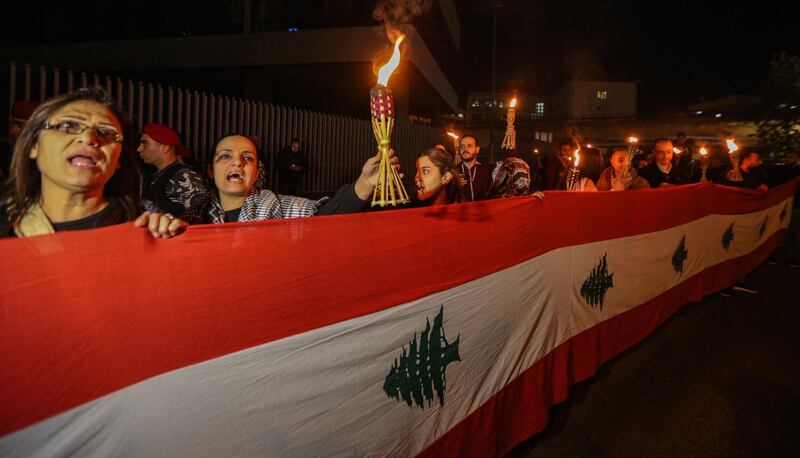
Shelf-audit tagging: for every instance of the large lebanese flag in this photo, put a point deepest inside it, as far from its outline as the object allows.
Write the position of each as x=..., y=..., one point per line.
x=437, y=331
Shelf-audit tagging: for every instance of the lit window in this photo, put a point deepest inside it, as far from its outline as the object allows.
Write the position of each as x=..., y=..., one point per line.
x=476, y=103
x=718, y=115
x=538, y=109
x=461, y=115
x=602, y=95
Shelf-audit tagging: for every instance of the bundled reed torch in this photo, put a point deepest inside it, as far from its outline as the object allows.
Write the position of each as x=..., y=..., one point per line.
x=574, y=174
x=703, y=164
x=389, y=190
x=633, y=150
x=733, y=151
x=510, y=139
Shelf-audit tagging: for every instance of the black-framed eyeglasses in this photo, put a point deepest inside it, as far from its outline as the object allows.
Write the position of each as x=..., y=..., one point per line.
x=104, y=134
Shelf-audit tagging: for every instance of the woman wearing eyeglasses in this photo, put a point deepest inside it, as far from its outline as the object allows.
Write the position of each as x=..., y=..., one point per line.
x=71, y=170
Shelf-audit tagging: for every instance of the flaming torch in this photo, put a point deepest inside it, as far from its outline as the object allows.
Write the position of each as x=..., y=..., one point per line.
x=703, y=164
x=510, y=140
x=573, y=174
x=455, y=138
x=389, y=190
x=733, y=151
x=633, y=150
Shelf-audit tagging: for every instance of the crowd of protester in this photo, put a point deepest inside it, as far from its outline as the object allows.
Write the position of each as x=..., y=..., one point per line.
x=77, y=164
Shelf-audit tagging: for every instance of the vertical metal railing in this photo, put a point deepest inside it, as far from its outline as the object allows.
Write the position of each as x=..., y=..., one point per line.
x=336, y=146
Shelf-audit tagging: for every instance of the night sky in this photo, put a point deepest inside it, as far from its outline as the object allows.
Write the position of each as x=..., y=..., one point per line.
x=678, y=51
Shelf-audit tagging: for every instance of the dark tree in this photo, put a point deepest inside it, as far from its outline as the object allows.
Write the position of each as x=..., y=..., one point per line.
x=597, y=283
x=727, y=237
x=679, y=257
x=421, y=370
x=777, y=130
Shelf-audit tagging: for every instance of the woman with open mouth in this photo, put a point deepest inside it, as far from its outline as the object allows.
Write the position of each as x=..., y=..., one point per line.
x=435, y=178
x=237, y=198
x=71, y=170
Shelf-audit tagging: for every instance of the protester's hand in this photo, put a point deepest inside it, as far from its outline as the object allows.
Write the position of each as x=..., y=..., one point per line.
x=538, y=194
x=664, y=185
x=763, y=188
x=366, y=183
x=462, y=181
x=618, y=186
x=161, y=224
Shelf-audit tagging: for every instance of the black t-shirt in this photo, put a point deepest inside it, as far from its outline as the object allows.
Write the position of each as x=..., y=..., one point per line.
x=89, y=222
x=656, y=177
x=232, y=216
x=99, y=219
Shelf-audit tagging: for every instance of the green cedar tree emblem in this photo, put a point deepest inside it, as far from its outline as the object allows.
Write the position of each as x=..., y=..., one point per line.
x=763, y=227
x=597, y=283
x=784, y=211
x=421, y=370
x=679, y=257
x=727, y=237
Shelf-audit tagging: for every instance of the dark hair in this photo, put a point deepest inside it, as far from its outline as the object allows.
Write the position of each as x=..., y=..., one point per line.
x=294, y=139
x=444, y=162
x=474, y=137
x=23, y=186
x=681, y=134
x=592, y=164
x=565, y=142
x=261, y=164
x=659, y=140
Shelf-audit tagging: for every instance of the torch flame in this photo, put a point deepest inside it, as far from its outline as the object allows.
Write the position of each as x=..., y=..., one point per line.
x=731, y=146
x=386, y=71
x=577, y=157
x=703, y=152
x=633, y=139
x=513, y=103
x=453, y=135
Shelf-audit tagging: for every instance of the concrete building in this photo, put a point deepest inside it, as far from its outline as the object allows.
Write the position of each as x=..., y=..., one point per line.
x=319, y=55
x=481, y=107
x=595, y=99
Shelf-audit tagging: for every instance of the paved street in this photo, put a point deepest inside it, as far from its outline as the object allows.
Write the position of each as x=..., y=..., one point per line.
x=719, y=378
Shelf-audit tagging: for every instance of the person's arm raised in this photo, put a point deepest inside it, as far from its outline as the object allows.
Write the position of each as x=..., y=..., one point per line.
x=365, y=185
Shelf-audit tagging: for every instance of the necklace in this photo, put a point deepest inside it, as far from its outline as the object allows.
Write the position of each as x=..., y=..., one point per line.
x=471, y=173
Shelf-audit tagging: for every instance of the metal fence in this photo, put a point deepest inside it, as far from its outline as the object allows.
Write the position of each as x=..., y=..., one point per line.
x=336, y=146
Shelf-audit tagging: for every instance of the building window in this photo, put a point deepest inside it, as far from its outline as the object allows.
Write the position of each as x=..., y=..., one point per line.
x=538, y=110
x=475, y=104
x=602, y=95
